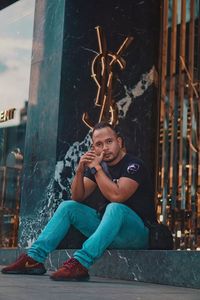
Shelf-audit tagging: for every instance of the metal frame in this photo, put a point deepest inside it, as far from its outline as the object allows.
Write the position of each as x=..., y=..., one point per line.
x=179, y=161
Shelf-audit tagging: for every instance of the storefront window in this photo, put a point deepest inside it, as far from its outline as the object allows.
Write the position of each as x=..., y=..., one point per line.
x=16, y=23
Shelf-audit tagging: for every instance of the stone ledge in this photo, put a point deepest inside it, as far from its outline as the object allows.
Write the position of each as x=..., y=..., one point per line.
x=177, y=268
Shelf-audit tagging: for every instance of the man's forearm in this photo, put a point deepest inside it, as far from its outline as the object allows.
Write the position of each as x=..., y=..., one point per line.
x=77, y=187
x=108, y=188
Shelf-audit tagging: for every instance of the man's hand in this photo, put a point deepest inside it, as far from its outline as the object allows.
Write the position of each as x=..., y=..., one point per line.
x=82, y=186
x=95, y=159
x=89, y=159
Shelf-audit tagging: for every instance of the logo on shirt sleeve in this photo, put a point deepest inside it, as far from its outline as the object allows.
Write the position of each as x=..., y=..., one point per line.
x=133, y=168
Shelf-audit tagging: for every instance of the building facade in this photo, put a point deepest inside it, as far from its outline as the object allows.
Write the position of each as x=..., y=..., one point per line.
x=43, y=139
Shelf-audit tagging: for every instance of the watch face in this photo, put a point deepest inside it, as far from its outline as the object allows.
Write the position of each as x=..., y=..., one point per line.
x=93, y=170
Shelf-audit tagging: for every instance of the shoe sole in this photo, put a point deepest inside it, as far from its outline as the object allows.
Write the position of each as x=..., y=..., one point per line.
x=24, y=272
x=70, y=279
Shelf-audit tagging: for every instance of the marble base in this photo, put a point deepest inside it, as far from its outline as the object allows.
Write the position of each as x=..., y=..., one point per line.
x=176, y=268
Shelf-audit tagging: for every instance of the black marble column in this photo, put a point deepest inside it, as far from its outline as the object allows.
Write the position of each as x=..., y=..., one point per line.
x=134, y=90
x=43, y=115
x=2, y=141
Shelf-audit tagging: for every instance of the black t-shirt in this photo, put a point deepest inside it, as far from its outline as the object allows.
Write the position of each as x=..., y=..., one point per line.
x=142, y=201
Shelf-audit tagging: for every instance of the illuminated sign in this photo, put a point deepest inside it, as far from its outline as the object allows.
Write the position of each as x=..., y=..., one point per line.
x=7, y=115
x=103, y=74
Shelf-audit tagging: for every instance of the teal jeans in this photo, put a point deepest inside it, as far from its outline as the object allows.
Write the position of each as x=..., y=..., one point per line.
x=120, y=228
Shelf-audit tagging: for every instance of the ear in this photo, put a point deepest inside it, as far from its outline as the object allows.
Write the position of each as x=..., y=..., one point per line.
x=120, y=142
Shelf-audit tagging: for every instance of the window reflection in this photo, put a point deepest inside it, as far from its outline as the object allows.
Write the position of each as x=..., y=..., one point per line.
x=16, y=23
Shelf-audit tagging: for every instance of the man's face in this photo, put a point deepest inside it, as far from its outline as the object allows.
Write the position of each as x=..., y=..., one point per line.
x=106, y=140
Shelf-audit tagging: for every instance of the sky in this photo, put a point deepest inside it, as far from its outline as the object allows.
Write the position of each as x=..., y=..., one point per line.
x=16, y=23
x=196, y=2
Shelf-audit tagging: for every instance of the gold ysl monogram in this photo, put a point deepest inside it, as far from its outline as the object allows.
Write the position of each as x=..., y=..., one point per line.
x=102, y=73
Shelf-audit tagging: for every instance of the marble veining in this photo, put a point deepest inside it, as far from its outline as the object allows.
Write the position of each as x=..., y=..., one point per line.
x=142, y=85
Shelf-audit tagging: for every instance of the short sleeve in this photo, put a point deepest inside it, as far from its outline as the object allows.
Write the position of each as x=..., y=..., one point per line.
x=134, y=170
x=87, y=173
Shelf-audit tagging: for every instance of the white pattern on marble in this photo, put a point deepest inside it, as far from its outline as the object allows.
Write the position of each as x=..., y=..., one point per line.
x=134, y=276
x=123, y=258
x=138, y=267
x=68, y=254
x=146, y=80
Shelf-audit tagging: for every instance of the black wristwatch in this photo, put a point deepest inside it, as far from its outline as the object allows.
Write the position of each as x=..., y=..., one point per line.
x=94, y=170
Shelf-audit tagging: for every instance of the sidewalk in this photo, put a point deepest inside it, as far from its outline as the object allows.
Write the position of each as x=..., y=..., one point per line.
x=23, y=287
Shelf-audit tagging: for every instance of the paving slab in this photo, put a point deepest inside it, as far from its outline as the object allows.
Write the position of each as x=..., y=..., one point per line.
x=23, y=287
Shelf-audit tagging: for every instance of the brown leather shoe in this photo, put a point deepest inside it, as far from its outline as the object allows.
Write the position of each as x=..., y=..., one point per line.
x=72, y=269
x=25, y=265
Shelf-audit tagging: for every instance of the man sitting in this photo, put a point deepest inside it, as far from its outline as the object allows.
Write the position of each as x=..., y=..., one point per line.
x=127, y=203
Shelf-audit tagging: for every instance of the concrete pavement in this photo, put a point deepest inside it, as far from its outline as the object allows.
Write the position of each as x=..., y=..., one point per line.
x=23, y=287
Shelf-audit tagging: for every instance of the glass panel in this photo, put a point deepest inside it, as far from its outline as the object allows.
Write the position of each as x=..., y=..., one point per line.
x=16, y=23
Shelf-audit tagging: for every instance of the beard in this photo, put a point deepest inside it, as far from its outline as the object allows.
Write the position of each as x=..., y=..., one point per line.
x=111, y=157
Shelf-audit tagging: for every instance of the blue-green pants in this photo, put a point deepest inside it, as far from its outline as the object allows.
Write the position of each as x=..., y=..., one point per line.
x=120, y=228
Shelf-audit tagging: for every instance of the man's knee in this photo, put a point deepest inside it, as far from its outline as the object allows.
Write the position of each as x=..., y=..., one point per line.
x=115, y=208
x=68, y=205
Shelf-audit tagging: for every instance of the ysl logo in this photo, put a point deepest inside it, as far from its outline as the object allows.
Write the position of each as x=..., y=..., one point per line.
x=103, y=75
